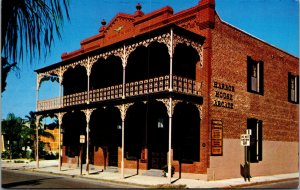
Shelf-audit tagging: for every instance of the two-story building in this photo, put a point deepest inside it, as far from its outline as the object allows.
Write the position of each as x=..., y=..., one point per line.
x=163, y=88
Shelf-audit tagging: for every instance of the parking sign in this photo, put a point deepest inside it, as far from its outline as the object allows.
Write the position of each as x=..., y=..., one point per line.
x=245, y=139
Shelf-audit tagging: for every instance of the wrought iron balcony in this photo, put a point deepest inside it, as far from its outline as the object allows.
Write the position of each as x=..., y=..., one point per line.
x=142, y=87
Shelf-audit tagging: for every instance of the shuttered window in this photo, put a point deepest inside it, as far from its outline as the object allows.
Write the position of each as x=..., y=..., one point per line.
x=293, y=88
x=255, y=70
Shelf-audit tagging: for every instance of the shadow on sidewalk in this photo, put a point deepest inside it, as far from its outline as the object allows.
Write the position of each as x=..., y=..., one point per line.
x=131, y=176
x=29, y=182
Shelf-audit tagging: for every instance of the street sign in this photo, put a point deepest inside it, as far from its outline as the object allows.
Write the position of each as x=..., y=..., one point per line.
x=245, y=139
x=82, y=139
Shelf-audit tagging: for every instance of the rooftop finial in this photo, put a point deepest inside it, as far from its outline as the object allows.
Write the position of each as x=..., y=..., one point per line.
x=138, y=12
x=138, y=7
x=103, y=22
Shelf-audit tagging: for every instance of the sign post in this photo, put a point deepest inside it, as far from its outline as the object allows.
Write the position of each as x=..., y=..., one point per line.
x=82, y=141
x=245, y=142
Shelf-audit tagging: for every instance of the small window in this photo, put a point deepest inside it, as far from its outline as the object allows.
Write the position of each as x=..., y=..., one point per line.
x=293, y=87
x=255, y=76
x=255, y=148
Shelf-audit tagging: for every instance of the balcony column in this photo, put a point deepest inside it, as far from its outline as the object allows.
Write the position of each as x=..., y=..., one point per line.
x=60, y=78
x=88, y=113
x=123, y=84
x=124, y=63
x=123, y=109
x=88, y=72
x=59, y=118
x=37, y=90
x=170, y=104
x=38, y=117
x=171, y=52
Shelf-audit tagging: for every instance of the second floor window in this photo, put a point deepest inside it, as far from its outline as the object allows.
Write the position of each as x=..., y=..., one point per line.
x=255, y=76
x=293, y=88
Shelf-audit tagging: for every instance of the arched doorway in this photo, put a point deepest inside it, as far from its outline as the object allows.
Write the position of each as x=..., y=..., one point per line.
x=157, y=133
x=105, y=132
x=74, y=125
x=186, y=133
x=135, y=123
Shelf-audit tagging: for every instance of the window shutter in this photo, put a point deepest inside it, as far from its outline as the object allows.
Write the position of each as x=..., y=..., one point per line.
x=289, y=87
x=249, y=64
x=260, y=140
x=261, y=77
x=252, y=124
x=297, y=89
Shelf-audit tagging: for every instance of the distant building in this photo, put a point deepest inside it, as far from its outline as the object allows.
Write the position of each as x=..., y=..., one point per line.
x=191, y=72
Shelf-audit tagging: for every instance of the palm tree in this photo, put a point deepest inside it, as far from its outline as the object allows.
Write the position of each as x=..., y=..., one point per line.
x=11, y=129
x=28, y=28
x=31, y=131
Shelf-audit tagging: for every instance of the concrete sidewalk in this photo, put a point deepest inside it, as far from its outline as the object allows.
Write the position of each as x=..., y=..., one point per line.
x=51, y=166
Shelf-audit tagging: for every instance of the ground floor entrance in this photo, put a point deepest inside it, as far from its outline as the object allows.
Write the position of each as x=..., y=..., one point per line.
x=146, y=135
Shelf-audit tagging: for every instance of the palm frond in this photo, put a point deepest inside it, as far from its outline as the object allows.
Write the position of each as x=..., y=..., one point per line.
x=28, y=26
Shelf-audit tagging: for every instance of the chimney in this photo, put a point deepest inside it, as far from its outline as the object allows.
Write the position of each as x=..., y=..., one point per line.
x=207, y=13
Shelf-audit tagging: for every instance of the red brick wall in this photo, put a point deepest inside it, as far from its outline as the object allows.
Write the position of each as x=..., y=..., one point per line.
x=229, y=65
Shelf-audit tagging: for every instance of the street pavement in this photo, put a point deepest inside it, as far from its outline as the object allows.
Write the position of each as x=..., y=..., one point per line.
x=51, y=166
x=32, y=180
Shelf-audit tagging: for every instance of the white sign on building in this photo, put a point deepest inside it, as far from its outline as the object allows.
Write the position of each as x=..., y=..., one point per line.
x=245, y=139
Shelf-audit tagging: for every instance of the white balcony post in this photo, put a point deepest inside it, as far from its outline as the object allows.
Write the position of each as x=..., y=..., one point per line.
x=170, y=104
x=124, y=63
x=59, y=142
x=37, y=91
x=171, y=60
x=123, y=142
x=124, y=73
x=123, y=109
x=88, y=113
x=88, y=80
x=37, y=140
x=170, y=141
x=59, y=118
x=60, y=79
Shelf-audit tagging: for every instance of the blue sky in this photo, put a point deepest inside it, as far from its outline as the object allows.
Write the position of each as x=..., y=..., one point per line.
x=274, y=21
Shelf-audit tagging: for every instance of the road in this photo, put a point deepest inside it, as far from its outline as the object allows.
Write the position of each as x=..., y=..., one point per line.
x=24, y=179
x=290, y=184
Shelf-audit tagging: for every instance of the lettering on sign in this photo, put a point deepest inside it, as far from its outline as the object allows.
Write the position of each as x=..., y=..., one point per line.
x=245, y=139
x=217, y=138
x=223, y=96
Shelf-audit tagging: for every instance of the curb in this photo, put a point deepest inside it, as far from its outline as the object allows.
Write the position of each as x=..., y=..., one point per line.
x=156, y=186
x=259, y=183
x=161, y=186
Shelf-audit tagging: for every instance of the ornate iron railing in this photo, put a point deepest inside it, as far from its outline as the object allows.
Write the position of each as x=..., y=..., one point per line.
x=142, y=87
x=52, y=103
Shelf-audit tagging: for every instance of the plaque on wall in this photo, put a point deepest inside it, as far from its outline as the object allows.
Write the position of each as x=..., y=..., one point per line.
x=217, y=138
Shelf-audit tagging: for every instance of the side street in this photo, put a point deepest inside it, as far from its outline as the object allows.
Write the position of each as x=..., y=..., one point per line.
x=51, y=167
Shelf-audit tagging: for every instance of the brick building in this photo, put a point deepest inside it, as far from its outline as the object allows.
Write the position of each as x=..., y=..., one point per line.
x=163, y=88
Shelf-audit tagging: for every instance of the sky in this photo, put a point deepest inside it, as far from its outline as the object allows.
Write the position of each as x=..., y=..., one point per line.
x=273, y=21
